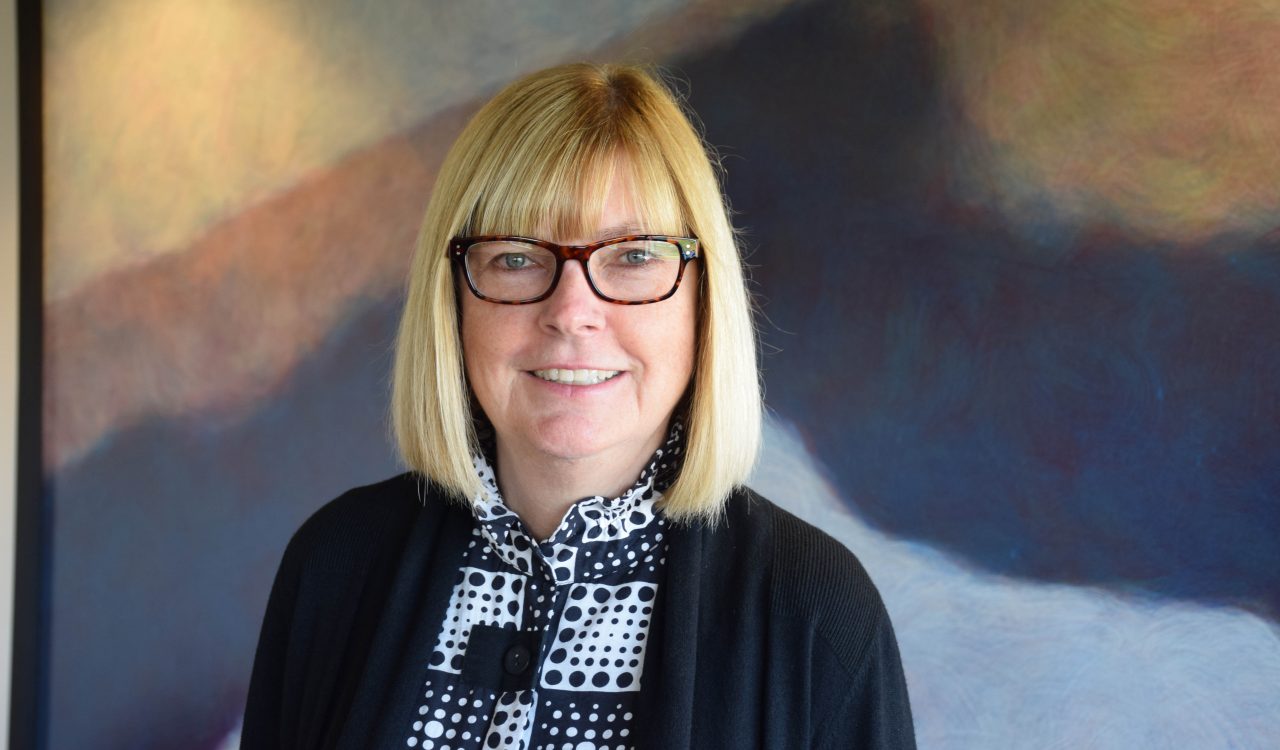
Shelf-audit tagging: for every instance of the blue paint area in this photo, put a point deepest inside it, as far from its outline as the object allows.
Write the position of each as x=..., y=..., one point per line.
x=168, y=535
x=1041, y=401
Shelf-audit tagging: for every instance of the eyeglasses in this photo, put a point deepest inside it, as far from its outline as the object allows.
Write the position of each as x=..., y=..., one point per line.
x=632, y=270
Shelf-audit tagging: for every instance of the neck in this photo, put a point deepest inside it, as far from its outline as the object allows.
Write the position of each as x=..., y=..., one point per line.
x=541, y=489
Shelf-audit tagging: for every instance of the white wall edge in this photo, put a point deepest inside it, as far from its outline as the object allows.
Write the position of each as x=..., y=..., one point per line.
x=8, y=344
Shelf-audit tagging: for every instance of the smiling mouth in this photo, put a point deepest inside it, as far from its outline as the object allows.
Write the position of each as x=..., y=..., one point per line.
x=576, y=377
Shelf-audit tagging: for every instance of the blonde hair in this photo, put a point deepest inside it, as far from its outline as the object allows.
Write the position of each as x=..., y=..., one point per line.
x=539, y=155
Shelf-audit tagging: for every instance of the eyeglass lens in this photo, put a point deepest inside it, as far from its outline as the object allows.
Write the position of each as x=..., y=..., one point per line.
x=631, y=271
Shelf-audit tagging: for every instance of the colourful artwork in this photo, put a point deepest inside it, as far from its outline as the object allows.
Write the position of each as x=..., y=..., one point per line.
x=1020, y=281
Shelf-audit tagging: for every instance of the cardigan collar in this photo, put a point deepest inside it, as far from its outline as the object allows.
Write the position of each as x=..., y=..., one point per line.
x=627, y=523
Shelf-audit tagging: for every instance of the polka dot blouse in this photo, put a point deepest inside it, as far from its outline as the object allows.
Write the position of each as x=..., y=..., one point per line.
x=543, y=645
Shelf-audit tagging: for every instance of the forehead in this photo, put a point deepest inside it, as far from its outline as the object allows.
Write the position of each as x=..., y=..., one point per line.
x=619, y=215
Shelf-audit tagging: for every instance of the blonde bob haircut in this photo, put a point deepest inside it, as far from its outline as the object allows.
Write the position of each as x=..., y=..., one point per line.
x=537, y=159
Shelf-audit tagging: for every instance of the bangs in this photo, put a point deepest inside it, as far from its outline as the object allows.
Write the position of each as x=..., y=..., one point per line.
x=556, y=187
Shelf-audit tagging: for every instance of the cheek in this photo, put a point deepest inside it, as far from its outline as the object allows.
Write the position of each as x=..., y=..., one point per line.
x=681, y=343
x=479, y=345
x=493, y=340
x=467, y=328
x=691, y=312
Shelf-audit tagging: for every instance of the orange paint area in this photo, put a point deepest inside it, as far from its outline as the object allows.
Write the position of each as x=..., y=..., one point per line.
x=192, y=264
x=1159, y=117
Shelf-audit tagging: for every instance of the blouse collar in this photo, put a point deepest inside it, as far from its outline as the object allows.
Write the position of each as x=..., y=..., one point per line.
x=621, y=520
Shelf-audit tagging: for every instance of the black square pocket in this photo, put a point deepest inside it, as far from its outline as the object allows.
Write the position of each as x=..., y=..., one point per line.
x=500, y=659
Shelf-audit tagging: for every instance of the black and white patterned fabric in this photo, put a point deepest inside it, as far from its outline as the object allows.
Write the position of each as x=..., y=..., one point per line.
x=543, y=644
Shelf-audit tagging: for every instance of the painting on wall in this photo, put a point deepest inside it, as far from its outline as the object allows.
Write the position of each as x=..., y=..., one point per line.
x=1018, y=271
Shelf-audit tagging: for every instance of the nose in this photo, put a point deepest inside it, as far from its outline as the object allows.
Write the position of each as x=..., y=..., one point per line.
x=572, y=308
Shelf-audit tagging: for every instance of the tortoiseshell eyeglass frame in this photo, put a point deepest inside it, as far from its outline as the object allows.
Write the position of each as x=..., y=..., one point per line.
x=582, y=253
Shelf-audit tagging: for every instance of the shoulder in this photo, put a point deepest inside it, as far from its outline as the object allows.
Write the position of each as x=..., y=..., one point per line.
x=361, y=521
x=814, y=579
x=824, y=620
x=329, y=596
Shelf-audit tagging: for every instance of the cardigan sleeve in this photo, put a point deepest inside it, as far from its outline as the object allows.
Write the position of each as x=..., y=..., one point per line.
x=875, y=712
x=859, y=691
x=264, y=708
x=328, y=596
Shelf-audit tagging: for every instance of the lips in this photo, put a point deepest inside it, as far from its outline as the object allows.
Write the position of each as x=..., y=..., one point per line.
x=575, y=377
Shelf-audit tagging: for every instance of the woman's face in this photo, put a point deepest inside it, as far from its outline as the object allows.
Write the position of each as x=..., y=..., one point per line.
x=621, y=420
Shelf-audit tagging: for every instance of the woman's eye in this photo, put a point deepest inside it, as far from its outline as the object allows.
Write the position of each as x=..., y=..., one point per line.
x=513, y=261
x=636, y=257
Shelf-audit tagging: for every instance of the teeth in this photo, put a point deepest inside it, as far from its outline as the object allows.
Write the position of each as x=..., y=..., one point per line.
x=576, y=377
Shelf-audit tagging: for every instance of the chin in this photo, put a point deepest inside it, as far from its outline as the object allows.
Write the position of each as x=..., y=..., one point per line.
x=571, y=439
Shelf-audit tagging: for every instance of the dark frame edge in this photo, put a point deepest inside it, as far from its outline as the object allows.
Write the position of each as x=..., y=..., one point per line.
x=28, y=703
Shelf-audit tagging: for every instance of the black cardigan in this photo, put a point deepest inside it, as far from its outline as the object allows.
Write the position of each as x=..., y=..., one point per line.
x=770, y=635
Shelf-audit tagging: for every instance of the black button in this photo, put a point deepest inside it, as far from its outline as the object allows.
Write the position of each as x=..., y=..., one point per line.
x=516, y=660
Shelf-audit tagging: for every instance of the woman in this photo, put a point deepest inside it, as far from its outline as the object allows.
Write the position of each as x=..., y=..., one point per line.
x=573, y=561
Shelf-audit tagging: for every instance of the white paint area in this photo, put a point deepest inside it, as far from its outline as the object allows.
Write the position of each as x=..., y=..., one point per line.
x=994, y=662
